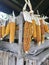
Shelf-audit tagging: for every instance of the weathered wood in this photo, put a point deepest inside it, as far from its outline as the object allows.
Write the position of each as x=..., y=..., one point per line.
x=20, y=61
x=11, y=60
x=1, y=57
x=5, y=58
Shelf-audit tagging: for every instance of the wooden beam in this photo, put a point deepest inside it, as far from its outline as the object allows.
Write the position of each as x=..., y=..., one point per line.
x=15, y=7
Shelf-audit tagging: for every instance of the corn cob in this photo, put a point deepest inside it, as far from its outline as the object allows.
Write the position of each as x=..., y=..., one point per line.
x=7, y=29
x=38, y=29
x=0, y=32
x=46, y=28
x=27, y=36
x=34, y=29
x=42, y=27
x=3, y=31
x=12, y=31
x=42, y=38
x=42, y=30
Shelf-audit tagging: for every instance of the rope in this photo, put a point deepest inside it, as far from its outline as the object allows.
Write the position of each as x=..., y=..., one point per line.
x=27, y=2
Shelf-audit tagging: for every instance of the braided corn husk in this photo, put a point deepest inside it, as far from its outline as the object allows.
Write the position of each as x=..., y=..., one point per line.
x=12, y=31
x=27, y=36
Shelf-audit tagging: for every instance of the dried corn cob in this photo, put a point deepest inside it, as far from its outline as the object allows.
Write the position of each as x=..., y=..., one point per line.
x=42, y=30
x=12, y=31
x=38, y=29
x=34, y=29
x=7, y=29
x=3, y=31
x=46, y=28
x=42, y=26
x=27, y=36
x=0, y=32
x=42, y=38
x=3, y=28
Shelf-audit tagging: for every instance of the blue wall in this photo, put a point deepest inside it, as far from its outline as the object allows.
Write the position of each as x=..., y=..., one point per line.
x=7, y=9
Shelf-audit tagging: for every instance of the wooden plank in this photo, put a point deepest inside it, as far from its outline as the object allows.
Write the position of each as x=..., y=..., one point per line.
x=20, y=34
x=5, y=58
x=11, y=60
x=1, y=57
x=20, y=61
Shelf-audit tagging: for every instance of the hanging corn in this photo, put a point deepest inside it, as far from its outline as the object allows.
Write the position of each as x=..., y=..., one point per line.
x=7, y=29
x=12, y=28
x=3, y=28
x=46, y=27
x=34, y=29
x=42, y=30
x=27, y=31
x=27, y=36
x=38, y=29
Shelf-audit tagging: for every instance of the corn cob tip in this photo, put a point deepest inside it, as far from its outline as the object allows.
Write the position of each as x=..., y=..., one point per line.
x=48, y=31
x=4, y=35
x=32, y=38
x=26, y=52
x=42, y=42
x=1, y=38
x=10, y=42
x=39, y=43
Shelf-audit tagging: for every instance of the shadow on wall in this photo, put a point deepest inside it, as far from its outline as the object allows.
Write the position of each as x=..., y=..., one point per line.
x=6, y=9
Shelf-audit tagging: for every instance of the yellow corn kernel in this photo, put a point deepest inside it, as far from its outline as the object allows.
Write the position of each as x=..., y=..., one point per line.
x=38, y=29
x=7, y=29
x=3, y=31
x=0, y=32
x=12, y=31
